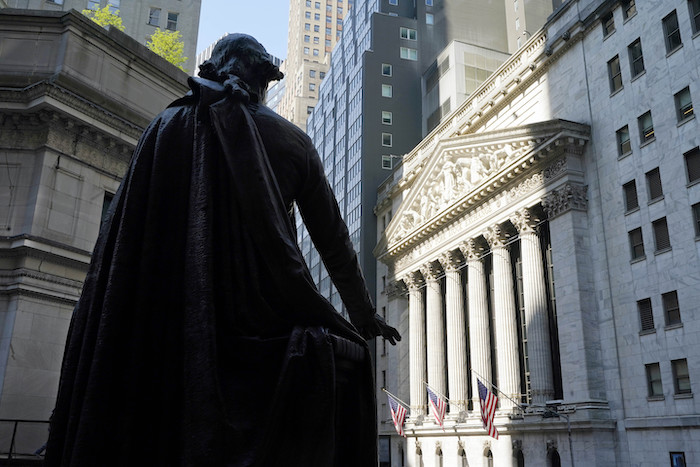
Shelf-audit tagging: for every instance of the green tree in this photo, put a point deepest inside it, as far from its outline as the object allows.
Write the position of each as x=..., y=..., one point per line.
x=105, y=18
x=168, y=45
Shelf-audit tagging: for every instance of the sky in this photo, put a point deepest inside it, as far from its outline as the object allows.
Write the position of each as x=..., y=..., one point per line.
x=266, y=20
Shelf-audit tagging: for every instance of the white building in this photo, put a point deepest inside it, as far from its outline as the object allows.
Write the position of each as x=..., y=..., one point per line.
x=544, y=238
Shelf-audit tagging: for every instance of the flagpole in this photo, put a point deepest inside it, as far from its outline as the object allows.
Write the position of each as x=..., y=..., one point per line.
x=438, y=393
x=397, y=399
x=547, y=409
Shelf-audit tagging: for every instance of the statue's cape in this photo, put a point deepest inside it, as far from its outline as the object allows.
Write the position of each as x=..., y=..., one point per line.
x=198, y=248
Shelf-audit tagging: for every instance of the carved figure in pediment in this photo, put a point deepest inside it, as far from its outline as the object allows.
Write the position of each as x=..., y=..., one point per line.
x=449, y=180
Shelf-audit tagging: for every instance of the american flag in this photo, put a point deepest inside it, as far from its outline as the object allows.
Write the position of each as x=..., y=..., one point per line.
x=488, y=402
x=398, y=414
x=438, y=405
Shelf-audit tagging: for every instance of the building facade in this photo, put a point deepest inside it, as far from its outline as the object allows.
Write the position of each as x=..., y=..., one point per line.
x=314, y=29
x=74, y=100
x=140, y=18
x=543, y=240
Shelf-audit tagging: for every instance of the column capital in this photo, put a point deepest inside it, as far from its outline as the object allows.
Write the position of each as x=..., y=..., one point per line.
x=524, y=220
x=451, y=260
x=431, y=270
x=413, y=280
x=565, y=198
x=470, y=249
x=496, y=236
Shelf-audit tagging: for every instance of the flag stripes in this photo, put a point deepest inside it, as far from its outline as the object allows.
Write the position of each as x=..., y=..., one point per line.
x=488, y=402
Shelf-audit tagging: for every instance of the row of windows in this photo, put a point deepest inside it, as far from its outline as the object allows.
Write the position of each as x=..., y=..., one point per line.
x=672, y=312
x=645, y=122
x=629, y=9
x=662, y=240
x=154, y=19
x=681, y=379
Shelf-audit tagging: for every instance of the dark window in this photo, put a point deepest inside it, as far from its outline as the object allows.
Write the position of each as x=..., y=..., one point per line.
x=661, y=238
x=672, y=311
x=623, y=141
x=694, y=8
x=654, y=385
x=654, y=187
x=677, y=459
x=608, y=24
x=630, y=192
x=636, y=57
x=309, y=109
x=615, y=74
x=696, y=218
x=628, y=8
x=646, y=127
x=386, y=139
x=106, y=203
x=646, y=315
x=684, y=104
x=681, y=378
x=671, y=32
x=692, y=164
x=172, y=21
x=636, y=243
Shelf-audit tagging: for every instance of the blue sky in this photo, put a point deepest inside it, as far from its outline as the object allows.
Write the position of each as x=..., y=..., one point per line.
x=266, y=20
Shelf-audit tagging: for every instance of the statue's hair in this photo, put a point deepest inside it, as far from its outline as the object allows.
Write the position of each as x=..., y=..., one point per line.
x=243, y=56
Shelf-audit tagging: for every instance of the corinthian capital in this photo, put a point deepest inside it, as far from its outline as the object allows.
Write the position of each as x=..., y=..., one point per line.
x=451, y=260
x=496, y=236
x=524, y=221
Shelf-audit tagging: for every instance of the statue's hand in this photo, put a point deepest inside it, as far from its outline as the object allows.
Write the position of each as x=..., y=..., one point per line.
x=378, y=327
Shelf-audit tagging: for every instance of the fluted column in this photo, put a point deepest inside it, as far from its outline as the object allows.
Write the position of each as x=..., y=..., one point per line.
x=416, y=343
x=479, y=335
x=435, y=328
x=507, y=356
x=535, y=303
x=456, y=332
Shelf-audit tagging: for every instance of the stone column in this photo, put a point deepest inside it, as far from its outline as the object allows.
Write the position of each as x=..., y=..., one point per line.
x=507, y=356
x=479, y=325
x=416, y=343
x=539, y=354
x=456, y=332
x=435, y=328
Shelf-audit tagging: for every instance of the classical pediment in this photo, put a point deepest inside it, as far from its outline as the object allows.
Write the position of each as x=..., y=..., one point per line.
x=464, y=170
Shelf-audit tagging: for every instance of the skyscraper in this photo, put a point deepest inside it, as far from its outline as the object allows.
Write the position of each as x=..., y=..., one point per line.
x=140, y=18
x=314, y=29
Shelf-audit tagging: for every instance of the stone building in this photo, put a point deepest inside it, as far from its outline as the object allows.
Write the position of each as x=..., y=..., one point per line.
x=74, y=99
x=140, y=18
x=543, y=239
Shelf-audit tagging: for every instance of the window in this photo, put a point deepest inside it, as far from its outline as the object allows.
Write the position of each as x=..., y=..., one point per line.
x=312, y=73
x=307, y=27
x=386, y=69
x=694, y=8
x=322, y=74
x=428, y=2
x=671, y=32
x=654, y=385
x=409, y=54
x=387, y=117
x=407, y=33
x=696, y=218
x=312, y=86
x=615, y=74
x=387, y=139
x=307, y=38
x=517, y=24
x=93, y=4
x=692, y=164
x=308, y=3
x=315, y=52
x=623, y=141
x=681, y=378
x=654, y=188
x=328, y=31
x=684, y=105
x=636, y=243
x=608, y=23
x=630, y=192
x=306, y=51
x=646, y=315
x=515, y=5
x=113, y=5
x=309, y=109
x=317, y=16
x=172, y=21
x=339, y=10
x=629, y=8
x=317, y=28
x=307, y=14
x=57, y=2
x=636, y=58
x=387, y=90
x=316, y=40
x=677, y=459
x=393, y=2
x=386, y=162
x=429, y=18
x=661, y=238
x=154, y=17
x=328, y=43
x=106, y=203
x=672, y=312
x=317, y=5
x=646, y=127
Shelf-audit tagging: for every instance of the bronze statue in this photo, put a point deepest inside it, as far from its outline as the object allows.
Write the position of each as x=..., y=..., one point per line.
x=200, y=338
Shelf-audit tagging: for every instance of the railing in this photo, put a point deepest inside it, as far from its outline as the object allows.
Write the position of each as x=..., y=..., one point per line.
x=26, y=438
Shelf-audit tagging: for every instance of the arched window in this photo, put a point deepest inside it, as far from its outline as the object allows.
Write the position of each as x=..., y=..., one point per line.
x=520, y=459
x=553, y=459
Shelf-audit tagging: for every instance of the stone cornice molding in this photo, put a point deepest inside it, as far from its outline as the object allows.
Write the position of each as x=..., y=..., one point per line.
x=570, y=196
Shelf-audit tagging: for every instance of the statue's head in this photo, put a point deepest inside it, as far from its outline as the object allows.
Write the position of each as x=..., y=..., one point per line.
x=243, y=56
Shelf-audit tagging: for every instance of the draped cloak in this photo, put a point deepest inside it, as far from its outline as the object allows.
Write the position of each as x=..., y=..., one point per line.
x=200, y=338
